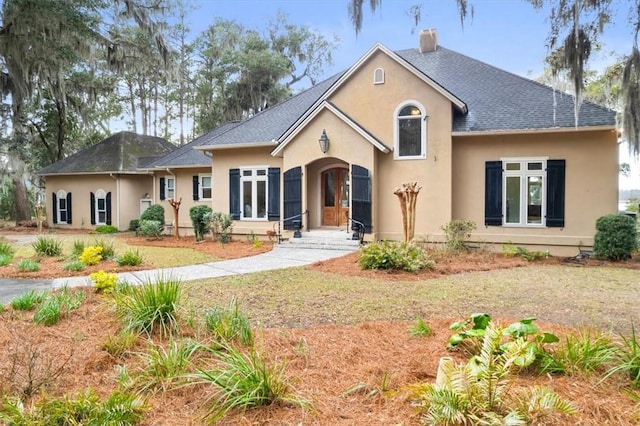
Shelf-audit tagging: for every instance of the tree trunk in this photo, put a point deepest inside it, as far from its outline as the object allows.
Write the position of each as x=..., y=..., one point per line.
x=21, y=202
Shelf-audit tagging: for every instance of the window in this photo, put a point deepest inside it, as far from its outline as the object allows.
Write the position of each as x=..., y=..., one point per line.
x=410, y=131
x=62, y=207
x=101, y=207
x=253, y=193
x=170, y=187
x=378, y=76
x=525, y=192
x=205, y=187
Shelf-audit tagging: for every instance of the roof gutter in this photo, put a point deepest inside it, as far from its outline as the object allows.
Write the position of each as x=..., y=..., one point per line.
x=534, y=131
x=205, y=148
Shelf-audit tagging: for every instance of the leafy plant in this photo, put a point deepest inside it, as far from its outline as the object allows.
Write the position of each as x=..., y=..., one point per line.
x=28, y=300
x=6, y=249
x=421, y=328
x=134, y=224
x=131, y=257
x=150, y=228
x=104, y=282
x=163, y=366
x=200, y=220
x=395, y=256
x=457, y=232
x=58, y=305
x=5, y=259
x=627, y=359
x=585, y=351
x=221, y=226
x=616, y=237
x=511, y=250
x=151, y=306
x=46, y=246
x=477, y=392
x=28, y=265
x=106, y=229
x=154, y=212
x=91, y=255
x=229, y=324
x=244, y=381
x=74, y=265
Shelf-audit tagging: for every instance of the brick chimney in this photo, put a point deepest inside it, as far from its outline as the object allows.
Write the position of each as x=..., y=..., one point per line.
x=428, y=40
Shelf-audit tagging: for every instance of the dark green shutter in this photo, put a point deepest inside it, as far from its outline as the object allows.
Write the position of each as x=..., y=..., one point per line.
x=234, y=193
x=69, y=208
x=196, y=196
x=273, y=204
x=108, y=207
x=493, y=193
x=361, y=195
x=292, y=195
x=162, y=187
x=555, y=193
x=55, y=208
x=92, y=199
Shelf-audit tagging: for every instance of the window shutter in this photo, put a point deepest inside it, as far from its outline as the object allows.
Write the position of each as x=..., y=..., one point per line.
x=69, y=208
x=196, y=196
x=108, y=206
x=273, y=204
x=555, y=193
x=55, y=208
x=361, y=196
x=93, y=208
x=292, y=195
x=234, y=193
x=493, y=193
x=162, y=188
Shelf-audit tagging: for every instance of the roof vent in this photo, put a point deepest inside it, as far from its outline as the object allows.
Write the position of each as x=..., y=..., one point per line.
x=428, y=40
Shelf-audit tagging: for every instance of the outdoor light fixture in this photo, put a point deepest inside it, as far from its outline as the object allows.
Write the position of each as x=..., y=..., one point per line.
x=324, y=142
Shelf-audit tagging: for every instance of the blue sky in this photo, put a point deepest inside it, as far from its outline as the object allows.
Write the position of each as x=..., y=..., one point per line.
x=508, y=34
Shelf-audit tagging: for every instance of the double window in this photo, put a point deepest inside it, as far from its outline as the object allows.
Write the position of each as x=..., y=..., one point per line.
x=525, y=192
x=253, y=193
x=410, y=131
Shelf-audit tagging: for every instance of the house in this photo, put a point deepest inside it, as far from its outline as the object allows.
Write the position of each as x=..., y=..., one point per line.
x=485, y=145
x=104, y=184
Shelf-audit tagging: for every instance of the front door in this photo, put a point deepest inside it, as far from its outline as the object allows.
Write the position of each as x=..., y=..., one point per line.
x=335, y=196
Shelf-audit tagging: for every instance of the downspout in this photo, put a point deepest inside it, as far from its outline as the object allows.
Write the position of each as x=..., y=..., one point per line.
x=117, y=178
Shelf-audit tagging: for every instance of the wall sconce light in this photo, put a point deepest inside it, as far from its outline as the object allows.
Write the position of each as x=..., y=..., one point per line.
x=146, y=195
x=324, y=142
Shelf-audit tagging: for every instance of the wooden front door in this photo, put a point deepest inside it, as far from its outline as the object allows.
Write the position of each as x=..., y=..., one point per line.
x=335, y=196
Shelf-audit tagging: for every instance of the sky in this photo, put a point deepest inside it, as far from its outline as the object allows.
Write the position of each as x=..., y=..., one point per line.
x=508, y=34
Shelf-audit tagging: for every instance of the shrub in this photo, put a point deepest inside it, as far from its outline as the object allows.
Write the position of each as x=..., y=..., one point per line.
x=154, y=212
x=91, y=255
x=134, y=224
x=46, y=246
x=229, y=324
x=28, y=265
x=5, y=259
x=108, y=252
x=28, y=300
x=6, y=249
x=616, y=237
x=150, y=228
x=457, y=232
x=106, y=229
x=74, y=265
x=104, y=282
x=200, y=220
x=391, y=255
x=131, y=257
x=221, y=225
x=151, y=306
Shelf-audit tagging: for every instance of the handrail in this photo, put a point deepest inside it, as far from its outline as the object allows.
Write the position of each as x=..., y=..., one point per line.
x=277, y=229
x=358, y=229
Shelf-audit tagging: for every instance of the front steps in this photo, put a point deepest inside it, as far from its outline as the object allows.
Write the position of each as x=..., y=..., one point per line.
x=324, y=240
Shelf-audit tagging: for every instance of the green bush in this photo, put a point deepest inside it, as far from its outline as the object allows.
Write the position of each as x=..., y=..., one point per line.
x=154, y=212
x=46, y=246
x=134, y=224
x=5, y=259
x=456, y=233
x=74, y=265
x=395, y=256
x=91, y=255
x=28, y=300
x=200, y=220
x=131, y=257
x=28, y=265
x=221, y=225
x=106, y=229
x=104, y=282
x=150, y=228
x=6, y=249
x=616, y=237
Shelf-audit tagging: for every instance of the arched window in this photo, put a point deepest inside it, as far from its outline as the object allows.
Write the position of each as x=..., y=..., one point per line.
x=63, y=207
x=378, y=76
x=411, y=131
x=101, y=207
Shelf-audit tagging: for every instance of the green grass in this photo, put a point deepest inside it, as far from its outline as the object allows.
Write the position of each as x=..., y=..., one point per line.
x=229, y=324
x=28, y=300
x=131, y=257
x=57, y=305
x=421, y=328
x=47, y=246
x=164, y=366
x=27, y=265
x=583, y=351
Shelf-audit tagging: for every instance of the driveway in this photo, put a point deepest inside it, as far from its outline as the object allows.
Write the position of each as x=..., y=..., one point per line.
x=10, y=288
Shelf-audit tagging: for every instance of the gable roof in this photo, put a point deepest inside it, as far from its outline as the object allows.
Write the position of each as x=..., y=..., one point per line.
x=123, y=152
x=486, y=99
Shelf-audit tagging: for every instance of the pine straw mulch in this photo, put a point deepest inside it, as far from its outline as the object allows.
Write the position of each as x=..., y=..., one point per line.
x=351, y=375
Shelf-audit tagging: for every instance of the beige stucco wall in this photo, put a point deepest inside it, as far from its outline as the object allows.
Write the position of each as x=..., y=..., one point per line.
x=590, y=187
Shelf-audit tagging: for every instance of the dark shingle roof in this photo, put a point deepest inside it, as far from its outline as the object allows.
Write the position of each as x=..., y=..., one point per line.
x=499, y=100
x=123, y=152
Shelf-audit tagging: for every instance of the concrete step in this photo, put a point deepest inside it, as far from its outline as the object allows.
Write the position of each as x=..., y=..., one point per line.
x=324, y=240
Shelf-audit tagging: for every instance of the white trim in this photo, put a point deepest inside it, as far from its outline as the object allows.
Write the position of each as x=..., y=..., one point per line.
x=200, y=186
x=236, y=146
x=254, y=192
x=166, y=186
x=333, y=109
x=423, y=131
x=100, y=194
x=378, y=76
x=61, y=194
x=523, y=174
